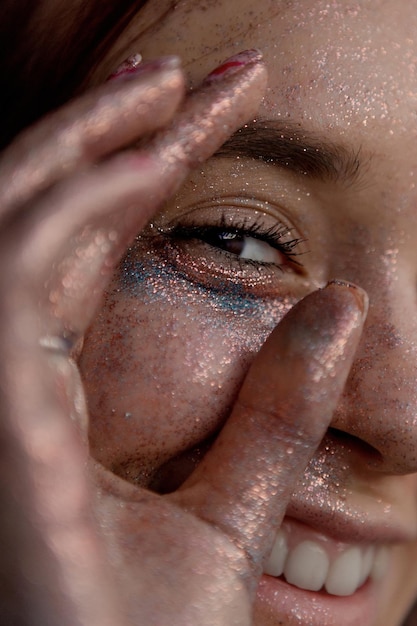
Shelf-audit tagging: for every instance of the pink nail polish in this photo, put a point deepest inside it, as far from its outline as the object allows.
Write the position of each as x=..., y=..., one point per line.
x=134, y=66
x=129, y=66
x=233, y=64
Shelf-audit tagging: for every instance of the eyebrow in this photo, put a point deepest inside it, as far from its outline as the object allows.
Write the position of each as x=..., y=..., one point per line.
x=286, y=145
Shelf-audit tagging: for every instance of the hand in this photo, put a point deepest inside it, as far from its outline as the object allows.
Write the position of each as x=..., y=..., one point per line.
x=83, y=546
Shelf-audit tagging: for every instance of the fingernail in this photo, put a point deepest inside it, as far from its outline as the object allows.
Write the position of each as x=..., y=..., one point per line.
x=233, y=65
x=134, y=66
x=129, y=66
x=359, y=293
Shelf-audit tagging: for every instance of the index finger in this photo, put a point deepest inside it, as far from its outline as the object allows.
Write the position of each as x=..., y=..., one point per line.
x=284, y=407
x=90, y=128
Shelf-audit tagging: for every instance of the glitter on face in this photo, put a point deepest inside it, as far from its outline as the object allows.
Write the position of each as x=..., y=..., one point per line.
x=181, y=348
x=161, y=283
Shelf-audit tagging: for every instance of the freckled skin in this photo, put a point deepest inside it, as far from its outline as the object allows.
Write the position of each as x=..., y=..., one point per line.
x=162, y=364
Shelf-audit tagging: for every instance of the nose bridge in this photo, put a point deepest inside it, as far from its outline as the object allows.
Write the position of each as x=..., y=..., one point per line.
x=379, y=405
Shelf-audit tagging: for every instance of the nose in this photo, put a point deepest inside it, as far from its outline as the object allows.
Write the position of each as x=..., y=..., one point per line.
x=379, y=406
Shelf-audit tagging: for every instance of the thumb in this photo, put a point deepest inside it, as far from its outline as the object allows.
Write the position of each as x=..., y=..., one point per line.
x=244, y=483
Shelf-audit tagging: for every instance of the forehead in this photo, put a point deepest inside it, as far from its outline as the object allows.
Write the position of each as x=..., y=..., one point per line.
x=346, y=69
x=363, y=54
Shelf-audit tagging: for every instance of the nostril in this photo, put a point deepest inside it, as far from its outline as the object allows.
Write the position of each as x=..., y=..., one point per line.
x=368, y=455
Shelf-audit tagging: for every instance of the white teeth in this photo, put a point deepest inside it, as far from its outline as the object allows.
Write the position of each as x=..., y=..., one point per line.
x=275, y=563
x=380, y=564
x=367, y=563
x=344, y=573
x=307, y=566
x=312, y=566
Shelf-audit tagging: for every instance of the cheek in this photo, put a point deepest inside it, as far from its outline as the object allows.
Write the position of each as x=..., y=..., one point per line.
x=161, y=374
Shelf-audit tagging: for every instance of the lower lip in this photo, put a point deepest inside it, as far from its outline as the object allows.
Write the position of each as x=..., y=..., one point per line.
x=277, y=601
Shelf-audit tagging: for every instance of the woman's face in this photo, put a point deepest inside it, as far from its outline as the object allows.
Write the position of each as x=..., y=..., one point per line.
x=333, y=195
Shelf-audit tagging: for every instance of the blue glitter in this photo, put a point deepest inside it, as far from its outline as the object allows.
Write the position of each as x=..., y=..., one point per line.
x=156, y=280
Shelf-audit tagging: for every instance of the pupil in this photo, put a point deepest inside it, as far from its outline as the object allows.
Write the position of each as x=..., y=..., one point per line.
x=228, y=241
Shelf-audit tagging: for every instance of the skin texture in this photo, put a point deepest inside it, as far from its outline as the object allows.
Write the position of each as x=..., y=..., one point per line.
x=176, y=358
x=75, y=542
x=352, y=86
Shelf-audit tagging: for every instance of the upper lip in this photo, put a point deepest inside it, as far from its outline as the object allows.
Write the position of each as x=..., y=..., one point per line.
x=361, y=513
x=353, y=519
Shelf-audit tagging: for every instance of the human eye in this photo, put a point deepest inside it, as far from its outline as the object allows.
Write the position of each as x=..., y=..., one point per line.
x=227, y=246
x=248, y=242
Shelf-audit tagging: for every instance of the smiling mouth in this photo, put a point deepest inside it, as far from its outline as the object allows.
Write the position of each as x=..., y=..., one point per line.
x=324, y=565
x=303, y=557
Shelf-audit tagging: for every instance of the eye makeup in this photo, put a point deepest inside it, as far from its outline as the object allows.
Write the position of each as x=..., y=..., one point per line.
x=196, y=273
x=244, y=242
x=232, y=255
x=223, y=244
x=157, y=279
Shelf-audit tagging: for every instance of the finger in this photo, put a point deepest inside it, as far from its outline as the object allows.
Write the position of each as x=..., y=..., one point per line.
x=90, y=128
x=82, y=226
x=75, y=234
x=237, y=95
x=283, y=409
x=53, y=568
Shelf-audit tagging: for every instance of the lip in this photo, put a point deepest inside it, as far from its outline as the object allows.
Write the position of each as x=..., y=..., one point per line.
x=379, y=512
x=381, y=525
x=278, y=600
x=356, y=519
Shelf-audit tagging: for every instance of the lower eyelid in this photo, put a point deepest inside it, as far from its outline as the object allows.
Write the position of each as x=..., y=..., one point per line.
x=217, y=271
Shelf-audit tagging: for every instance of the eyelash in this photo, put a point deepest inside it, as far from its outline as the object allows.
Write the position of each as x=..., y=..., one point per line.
x=185, y=251
x=273, y=236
